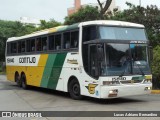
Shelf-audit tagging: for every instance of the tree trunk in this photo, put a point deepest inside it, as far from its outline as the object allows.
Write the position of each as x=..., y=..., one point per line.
x=104, y=8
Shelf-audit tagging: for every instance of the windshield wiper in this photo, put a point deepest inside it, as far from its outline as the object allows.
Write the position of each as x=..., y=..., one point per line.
x=124, y=69
x=140, y=69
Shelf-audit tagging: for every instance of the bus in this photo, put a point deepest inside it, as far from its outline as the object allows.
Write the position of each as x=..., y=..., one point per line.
x=100, y=59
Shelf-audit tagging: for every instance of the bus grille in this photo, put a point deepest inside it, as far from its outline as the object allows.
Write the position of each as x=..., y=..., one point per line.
x=130, y=81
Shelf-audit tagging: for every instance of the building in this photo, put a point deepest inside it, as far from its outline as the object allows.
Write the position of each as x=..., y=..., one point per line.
x=77, y=6
x=30, y=21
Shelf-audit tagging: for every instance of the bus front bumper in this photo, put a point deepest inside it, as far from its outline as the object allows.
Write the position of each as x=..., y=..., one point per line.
x=124, y=90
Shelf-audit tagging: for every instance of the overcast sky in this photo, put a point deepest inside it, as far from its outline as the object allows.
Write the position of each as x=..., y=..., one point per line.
x=47, y=9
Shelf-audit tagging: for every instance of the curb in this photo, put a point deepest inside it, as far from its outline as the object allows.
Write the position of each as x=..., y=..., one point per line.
x=155, y=91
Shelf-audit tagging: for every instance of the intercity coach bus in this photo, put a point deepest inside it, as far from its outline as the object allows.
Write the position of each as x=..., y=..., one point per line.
x=100, y=59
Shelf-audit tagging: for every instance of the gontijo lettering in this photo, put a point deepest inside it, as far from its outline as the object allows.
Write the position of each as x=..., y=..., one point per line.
x=27, y=60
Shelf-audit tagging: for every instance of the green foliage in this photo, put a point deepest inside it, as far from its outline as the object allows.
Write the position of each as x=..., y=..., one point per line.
x=156, y=61
x=49, y=24
x=84, y=14
x=12, y=29
x=156, y=67
x=149, y=17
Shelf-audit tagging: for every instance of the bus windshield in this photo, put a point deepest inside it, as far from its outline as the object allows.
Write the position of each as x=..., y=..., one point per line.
x=121, y=33
x=118, y=58
x=125, y=59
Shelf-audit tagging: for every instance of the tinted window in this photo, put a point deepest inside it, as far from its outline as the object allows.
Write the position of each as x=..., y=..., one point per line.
x=23, y=46
x=51, y=42
x=66, y=38
x=14, y=47
x=74, y=39
x=8, y=48
x=44, y=43
x=38, y=44
x=19, y=46
x=89, y=33
x=121, y=33
x=28, y=45
x=58, y=42
x=32, y=42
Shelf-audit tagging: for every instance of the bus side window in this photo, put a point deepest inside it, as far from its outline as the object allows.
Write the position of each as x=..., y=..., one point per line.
x=89, y=33
x=14, y=47
x=66, y=40
x=32, y=48
x=19, y=46
x=58, y=42
x=23, y=46
x=8, y=48
x=44, y=43
x=28, y=45
x=74, y=39
x=38, y=44
x=51, y=42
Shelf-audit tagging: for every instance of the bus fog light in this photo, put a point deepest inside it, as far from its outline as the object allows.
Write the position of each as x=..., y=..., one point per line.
x=147, y=88
x=113, y=93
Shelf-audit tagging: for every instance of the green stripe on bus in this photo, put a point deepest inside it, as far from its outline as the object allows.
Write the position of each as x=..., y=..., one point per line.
x=56, y=71
x=48, y=70
x=53, y=70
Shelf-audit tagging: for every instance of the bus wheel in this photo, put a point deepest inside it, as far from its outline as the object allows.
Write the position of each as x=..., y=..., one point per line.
x=23, y=79
x=74, y=89
x=17, y=79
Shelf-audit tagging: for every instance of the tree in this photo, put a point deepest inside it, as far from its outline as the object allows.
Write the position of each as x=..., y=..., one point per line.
x=104, y=8
x=84, y=14
x=149, y=17
x=156, y=67
x=12, y=29
x=49, y=24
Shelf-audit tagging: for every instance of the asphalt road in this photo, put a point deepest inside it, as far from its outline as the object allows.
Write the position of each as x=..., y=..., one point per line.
x=13, y=98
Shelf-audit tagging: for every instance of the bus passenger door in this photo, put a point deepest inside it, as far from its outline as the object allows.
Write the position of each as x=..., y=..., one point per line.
x=93, y=61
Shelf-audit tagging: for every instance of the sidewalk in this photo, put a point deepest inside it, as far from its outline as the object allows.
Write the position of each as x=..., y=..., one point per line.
x=155, y=91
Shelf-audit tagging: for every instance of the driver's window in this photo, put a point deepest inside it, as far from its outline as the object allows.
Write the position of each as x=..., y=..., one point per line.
x=93, y=61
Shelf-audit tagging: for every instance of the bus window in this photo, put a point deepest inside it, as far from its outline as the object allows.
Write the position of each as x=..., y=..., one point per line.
x=44, y=43
x=89, y=33
x=58, y=42
x=66, y=39
x=38, y=44
x=51, y=42
x=8, y=48
x=19, y=47
x=14, y=47
x=32, y=41
x=74, y=39
x=23, y=46
x=28, y=45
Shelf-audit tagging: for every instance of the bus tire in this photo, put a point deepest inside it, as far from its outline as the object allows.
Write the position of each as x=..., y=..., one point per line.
x=24, y=83
x=18, y=80
x=74, y=89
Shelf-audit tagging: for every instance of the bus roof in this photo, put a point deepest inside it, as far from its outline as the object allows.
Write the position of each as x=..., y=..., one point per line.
x=74, y=26
x=112, y=23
